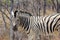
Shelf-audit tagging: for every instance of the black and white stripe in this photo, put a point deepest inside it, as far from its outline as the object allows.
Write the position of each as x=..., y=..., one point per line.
x=21, y=18
x=45, y=24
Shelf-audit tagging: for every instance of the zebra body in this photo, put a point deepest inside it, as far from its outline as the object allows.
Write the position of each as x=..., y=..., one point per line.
x=46, y=24
x=38, y=24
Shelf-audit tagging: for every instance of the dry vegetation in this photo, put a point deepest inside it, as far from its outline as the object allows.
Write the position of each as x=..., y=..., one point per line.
x=4, y=35
x=35, y=7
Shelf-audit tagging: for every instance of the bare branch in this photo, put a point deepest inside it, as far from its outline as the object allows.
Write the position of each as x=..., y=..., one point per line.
x=4, y=5
x=4, y=22
x=5, y=14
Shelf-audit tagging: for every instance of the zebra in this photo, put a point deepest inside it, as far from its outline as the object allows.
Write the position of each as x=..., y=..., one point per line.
x=21, y=18
x=38, y=24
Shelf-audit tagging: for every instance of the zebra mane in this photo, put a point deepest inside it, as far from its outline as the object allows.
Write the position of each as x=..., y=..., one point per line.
x=22, y=13
x=25, y=12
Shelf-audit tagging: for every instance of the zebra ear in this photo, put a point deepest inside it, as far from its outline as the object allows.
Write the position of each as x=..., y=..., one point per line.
x=15, y=13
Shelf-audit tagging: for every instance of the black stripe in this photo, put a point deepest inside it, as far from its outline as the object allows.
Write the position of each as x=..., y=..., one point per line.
x=55, y=24
x=28, y=24
x=48, y=23
x=43, y=25
x=15, y=13
x=45, y=20
x=52, y=23
x=27, y=28
x=29, y=31
x=25, y=23
x=38, y=25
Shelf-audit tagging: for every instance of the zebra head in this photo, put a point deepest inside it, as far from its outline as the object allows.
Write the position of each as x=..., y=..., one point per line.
x=21, y=18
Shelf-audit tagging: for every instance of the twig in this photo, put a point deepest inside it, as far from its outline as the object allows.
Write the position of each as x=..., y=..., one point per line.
x=5, y=15
x=4, y=22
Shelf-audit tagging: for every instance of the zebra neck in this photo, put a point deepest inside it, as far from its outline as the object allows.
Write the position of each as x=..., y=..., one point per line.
x=25, y=22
